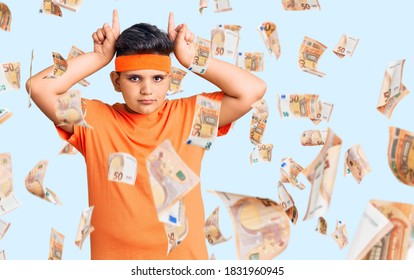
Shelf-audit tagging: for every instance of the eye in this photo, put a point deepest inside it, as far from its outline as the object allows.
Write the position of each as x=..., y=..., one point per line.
x=134, y=78
x=158, y=78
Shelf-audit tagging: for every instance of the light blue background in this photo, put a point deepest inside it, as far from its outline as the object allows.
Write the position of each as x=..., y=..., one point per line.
x=352, y=84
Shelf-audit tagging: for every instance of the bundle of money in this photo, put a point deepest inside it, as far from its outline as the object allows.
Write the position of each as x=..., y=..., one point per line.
x=289, y=172
x=261, y=153
x=201, y=56
x=392, y=89
x=122, y=167
x=72, y=5
x=50, y=8
x=222, y=6
x=340, y=235
x=5, y=17
x=171, y=178
x=70, y=109
x=85, y=228
x=56, y=245
x=202, y=5
x=59, y=66
x=300, y=5
x=321, y=174
x=3, y=228
x=304, y=105
x=176, y=233
x=259, y=120
x=346, y=45
x=322, y=226
x=287, y=203
x=401, y=155
x=5, y=114
x=176, y=77
x=205, y=122
x=261, y=226
x=8, y=201
x=67, y=149
x=313, y=137
x=224, y=42
x=309, y=54
x=34, y=183
x=251, y=61
x=384, y=232
x=212, y=230
x=269, y=35
x=10, y=77
x=356, y=163
x=75, y=52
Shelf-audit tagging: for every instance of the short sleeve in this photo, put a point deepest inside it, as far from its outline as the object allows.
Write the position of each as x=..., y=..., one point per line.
x=218, y=95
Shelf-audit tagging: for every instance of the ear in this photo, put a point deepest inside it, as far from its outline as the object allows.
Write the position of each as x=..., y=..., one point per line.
x=115, y=81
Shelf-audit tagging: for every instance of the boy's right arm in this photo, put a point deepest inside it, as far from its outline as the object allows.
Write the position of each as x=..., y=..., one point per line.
x=45, y=91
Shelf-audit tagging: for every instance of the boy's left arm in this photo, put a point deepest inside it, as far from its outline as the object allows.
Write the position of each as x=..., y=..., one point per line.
x=241, y=88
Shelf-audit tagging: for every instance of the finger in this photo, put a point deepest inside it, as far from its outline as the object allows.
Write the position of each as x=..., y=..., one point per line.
x=115, y=23
x=109, y=34
x=95, y=38
x=181, y=32
x=189, y=36
x=100, y=34
x=171, y=26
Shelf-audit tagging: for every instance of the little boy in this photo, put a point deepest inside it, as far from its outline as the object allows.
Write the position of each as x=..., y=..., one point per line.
x=125, y=218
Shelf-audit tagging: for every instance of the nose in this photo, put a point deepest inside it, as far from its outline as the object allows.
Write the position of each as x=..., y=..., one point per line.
x=146, y=88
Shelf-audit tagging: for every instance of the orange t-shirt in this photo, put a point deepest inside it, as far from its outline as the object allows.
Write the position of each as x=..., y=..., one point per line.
x=124, y=216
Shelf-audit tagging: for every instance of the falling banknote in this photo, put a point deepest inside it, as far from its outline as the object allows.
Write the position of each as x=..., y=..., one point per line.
x=205, y=122
x=261, y=153
x=401, y=155
x=385, y=232
x=171, y=179
x=176, y=77
x=340, y=235
x=268, y=32
x=122, y=167
x=3, y=228
x=34, y=183
x=261, y=226
x=72, y=5
x=50, y=8
x=346, y=46
x=251, y=61
x=85, y=228
x=212, y=230
x=305, y=106
x=309, y=55
x=300, y=5
x=313, y=137
x=75, y=52
x=224, y=42
x=289, y=172
x=70, y=109
x=5, y=114
x=392, y=89
x=8, y=201
x=201, y=56
x=259, y=120
x=321, y=174
x=202, y=5
x=176, y=233
x=2, y=255
x=322, y=226
x=30, y=80
x=222, y=6
x=356, y=163
x=67, y=149
x=10, y=77
x=5, y=17
x=56, y=245
x=287, y=203
x=59, y=66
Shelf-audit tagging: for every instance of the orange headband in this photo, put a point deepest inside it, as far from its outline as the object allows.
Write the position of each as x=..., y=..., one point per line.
x=143, y=61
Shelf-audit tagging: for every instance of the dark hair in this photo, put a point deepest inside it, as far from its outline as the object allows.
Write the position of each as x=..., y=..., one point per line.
x=143, y=38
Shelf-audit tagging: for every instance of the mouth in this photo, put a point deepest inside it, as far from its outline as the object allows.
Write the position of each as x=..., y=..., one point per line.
x=146, y=101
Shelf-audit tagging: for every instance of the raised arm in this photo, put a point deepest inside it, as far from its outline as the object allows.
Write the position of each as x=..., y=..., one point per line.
x=45, y=91
x=240, y=87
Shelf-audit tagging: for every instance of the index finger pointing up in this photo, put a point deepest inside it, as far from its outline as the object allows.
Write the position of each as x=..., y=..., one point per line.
x=115, y=23
x=171, y=26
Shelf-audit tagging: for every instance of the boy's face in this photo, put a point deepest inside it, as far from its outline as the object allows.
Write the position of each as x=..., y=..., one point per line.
x=144, y=91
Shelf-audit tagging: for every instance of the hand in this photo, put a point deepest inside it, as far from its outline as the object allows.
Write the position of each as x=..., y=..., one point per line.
x=183, y=41
x=105, y=37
